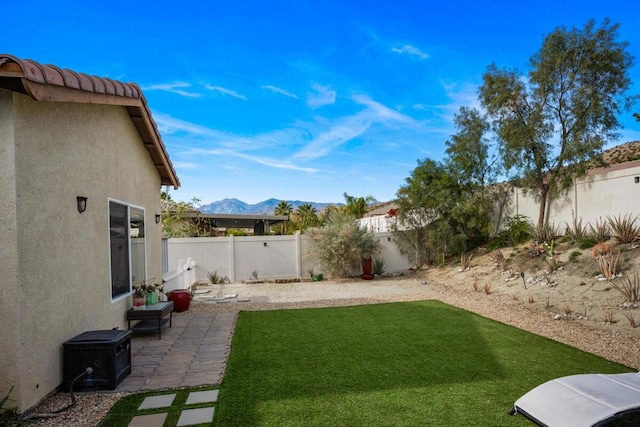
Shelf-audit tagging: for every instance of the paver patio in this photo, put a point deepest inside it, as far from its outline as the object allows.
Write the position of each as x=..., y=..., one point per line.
x=191, y=353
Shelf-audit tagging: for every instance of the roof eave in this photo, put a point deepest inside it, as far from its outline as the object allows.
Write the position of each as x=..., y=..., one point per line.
x=50, y=83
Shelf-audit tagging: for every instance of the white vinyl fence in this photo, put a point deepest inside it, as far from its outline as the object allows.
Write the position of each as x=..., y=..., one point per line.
x=182, y=277
x=271, y=257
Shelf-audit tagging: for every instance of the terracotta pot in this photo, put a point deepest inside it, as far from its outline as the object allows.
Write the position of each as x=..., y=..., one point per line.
x=366, y=268
x=181, y=300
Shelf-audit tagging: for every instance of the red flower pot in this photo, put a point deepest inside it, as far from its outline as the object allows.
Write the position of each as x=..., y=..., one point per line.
x=366, y=269
x=181, y=299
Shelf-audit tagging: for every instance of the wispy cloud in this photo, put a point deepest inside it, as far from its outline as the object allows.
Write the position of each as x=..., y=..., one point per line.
x=317, y=138
x=265, y=161
x=280, y=91
x=347, y=128
x=170, y=125
x=323, y=95
x=410, y=50
x=382, y=113
x=185, y=165
x=173, y=88
x=226, y=91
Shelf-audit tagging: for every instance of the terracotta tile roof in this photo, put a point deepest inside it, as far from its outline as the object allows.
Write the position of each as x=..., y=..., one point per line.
x=51, y=83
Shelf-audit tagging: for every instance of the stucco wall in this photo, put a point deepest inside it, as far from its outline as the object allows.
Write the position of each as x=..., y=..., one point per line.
x=610, y=192
x=62, y=151
x=9, y=294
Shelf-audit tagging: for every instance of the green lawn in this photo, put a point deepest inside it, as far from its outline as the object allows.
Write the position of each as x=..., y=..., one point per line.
x=417, y=363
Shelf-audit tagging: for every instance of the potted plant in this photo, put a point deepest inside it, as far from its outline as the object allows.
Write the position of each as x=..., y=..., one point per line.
x=139, y=298
x=152, y=292
x=368, y=247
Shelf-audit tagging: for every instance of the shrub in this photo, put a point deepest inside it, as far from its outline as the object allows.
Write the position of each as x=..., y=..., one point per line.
x=576, y=231
x=609, y=264
x=624, y=228
x=341, y=244
x=546, y=233
x=574, y=256
x=600, y=230
x=587, y=242
x=498, y=257
x=213, y=277
x=519, y=229
x=551, y=258
x=465, y=260
x=236, y=232
x=378, y=266
x=629, y=290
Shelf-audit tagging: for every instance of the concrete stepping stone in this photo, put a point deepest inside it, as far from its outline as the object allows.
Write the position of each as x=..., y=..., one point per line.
x=190, y=417
x=152, y=420
x=206, y=396
x=152, y=402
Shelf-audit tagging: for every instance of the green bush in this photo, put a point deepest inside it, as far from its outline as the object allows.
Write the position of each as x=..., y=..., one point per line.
x=378, y=266
x=213, y=277
x=341, y=244
x=587, y=242
x=574, y=256
x=236, y=232
x=518, y=229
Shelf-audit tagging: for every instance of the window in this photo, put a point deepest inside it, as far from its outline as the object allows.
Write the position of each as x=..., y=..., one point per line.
x=128, y=247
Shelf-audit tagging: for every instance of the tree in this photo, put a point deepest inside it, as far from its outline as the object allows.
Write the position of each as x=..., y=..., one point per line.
x=283, y=208
x=468, y=151
x=427, y=196
x=306, y=216
x=340, y=245
x=175, y=220
x=446, y=205
x=555, y=119
x=357, y=206
x=474, y=168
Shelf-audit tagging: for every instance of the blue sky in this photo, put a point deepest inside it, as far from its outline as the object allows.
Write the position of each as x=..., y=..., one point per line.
x=302, y=100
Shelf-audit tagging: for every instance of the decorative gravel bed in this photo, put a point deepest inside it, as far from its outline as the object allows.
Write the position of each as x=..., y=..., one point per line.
x=619, y=347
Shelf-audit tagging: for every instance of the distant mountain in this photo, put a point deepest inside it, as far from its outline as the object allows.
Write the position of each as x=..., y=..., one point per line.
x=266, y=207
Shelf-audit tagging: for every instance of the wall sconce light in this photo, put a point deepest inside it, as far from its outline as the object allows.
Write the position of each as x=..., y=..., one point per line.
x=82, y=203
x=388, y=239
x=636, y=179
x=264, y=244
x=157, y=218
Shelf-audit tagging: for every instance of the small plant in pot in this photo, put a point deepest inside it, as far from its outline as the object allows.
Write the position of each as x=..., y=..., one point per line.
x=368, y=246
x=139, y=298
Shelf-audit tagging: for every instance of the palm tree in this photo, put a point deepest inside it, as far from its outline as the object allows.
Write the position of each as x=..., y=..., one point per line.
x=357, y=206
x=306, y=216
x=283, y=208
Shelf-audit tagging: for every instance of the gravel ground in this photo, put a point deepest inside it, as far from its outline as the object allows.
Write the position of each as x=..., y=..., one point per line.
x=621, y=348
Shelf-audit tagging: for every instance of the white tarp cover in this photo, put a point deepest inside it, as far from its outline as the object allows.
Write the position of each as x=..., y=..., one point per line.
x=581, y=400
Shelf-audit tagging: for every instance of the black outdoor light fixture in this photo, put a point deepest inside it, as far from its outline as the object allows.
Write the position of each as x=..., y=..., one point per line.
x=264, y=244
x=157, y=218
x=82, y=203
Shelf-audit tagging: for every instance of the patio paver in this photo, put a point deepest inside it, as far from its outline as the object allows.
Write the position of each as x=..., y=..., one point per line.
x=190, y=417
x=162, y=401
x=191, y=353
x=152, y=420
x=206, y=396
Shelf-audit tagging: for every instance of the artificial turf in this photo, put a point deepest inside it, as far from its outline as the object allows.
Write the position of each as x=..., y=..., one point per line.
x=414, y=363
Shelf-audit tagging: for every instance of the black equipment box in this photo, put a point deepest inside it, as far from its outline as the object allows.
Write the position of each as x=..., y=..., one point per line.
x=107, y=353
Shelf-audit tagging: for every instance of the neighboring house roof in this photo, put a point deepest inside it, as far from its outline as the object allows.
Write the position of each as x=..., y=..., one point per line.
x=383, y=209
x=237, y=220
x=51, y=83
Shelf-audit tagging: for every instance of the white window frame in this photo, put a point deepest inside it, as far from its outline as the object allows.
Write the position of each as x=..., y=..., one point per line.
x=128, y=206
